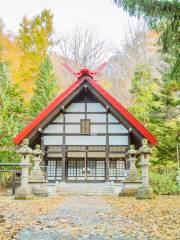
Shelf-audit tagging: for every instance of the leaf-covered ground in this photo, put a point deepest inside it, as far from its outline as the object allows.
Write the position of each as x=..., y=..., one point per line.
x=159, y=217
x=90, y=217
x=17, y=214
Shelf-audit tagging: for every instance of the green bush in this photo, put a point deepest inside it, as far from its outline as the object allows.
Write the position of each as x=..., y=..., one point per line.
x=9, y=156
x=163, y=180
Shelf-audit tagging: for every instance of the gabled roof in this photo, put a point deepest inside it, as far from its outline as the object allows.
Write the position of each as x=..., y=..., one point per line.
x=122, y=110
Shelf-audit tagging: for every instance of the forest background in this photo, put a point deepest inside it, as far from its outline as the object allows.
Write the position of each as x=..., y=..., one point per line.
x=143, y=74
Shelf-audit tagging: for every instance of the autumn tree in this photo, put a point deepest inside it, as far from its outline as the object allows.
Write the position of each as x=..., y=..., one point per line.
x=35, y=38
x=45, y=87
x=138, y=48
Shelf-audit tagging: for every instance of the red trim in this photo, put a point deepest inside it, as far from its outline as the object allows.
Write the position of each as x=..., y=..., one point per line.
x=18, y=139
x=130, y=118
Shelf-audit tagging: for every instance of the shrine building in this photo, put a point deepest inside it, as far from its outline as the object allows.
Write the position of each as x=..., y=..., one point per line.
x=85, y=134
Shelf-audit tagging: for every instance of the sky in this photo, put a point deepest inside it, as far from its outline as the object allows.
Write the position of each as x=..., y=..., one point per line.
x=109, y=20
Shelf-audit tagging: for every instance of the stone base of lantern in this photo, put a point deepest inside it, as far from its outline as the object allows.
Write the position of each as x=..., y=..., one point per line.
x=39, y=188
x=145, y=193
x=132, y=176
x=23, y=192
x=130, y=188
x=37, y=176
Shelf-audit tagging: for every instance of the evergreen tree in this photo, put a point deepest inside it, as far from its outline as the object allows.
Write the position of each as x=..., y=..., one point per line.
x=13, y=113
x=156, y=110
x=45, y=87
x=144, y=88
x=163, y=16
x=4, y=82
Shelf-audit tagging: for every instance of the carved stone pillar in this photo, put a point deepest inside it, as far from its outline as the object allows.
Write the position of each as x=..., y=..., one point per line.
x=145, y=191
x=37, y=179
x=24, y=191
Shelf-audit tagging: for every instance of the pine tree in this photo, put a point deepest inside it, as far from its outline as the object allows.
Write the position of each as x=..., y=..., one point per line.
x=45, y=87
x=154, y=106
x=12, y=107
x=4, y=81
x=164, y=17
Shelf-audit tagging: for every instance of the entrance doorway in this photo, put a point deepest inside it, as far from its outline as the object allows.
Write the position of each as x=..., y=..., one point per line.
x=86, y=169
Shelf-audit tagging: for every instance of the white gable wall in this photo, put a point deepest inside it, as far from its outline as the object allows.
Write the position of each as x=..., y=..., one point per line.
x=97, y=115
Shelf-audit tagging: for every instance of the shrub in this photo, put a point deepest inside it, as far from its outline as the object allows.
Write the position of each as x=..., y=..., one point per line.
x=163, y=180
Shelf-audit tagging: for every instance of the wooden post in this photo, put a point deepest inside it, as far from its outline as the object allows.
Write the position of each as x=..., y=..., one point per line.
x=107, y=148
x=63, y=153
x=13, y=181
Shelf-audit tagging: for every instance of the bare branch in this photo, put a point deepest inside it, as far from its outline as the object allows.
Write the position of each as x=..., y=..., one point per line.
x=83, y=46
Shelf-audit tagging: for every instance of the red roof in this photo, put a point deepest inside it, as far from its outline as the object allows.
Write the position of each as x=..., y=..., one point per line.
x=128, y=116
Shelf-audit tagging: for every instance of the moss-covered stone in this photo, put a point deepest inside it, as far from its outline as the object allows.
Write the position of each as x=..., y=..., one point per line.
x=145, y=193
x=128, y=193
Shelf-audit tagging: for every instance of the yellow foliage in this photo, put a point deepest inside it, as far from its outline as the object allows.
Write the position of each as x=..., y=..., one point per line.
x=21, y=66
x=11, y=54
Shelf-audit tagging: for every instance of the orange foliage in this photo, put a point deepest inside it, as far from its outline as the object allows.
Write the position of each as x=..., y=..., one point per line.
x=151, y=41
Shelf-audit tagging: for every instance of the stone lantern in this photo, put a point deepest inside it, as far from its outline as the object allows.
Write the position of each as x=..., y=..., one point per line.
x=132, y=182
x=36, y=173
x=24, y=191
x=132, y=157
x=37, y=179
x=145, y=191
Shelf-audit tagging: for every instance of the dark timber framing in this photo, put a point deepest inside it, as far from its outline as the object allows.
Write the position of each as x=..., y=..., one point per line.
x=86, y=149
x=83, y=95
x=107, y=149
x=64, y=152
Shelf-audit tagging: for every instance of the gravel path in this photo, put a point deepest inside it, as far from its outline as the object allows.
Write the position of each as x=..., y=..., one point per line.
x=78, y=218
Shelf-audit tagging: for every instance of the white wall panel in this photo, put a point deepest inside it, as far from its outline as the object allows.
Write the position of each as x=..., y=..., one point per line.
x=53, y=128
x=118, y=140
x=76, y=107
x=117, y=128
x=74, y=117
x=97, y=117
x=95, y=107
x=111, y=118
x=85, y=140
x=52, y=140
x=72, y=128
x=98, y=128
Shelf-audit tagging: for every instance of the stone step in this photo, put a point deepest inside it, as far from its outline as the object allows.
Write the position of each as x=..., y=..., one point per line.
x=81, y=188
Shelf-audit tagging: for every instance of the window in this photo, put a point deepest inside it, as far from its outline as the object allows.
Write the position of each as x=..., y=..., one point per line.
x=85, y=126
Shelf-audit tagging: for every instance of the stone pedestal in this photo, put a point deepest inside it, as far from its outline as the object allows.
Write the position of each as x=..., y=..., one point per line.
x=24, y=191
x=37, y=180
x=145, y=191
x=39, y=188
x=130, y=188
x=132, y=182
